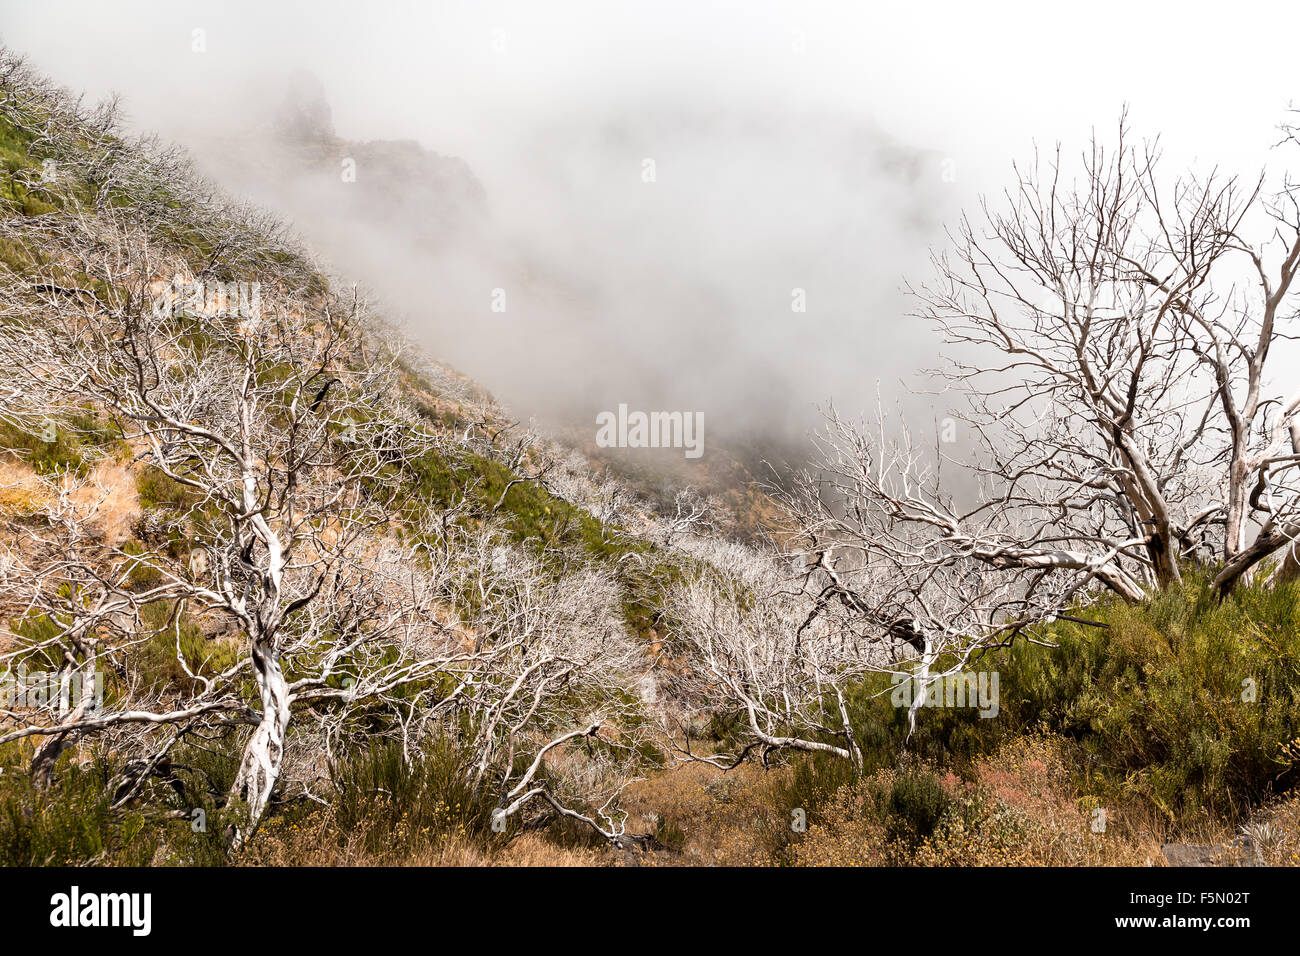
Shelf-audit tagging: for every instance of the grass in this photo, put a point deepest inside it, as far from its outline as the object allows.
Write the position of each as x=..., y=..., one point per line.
x=406, y=808
x=72, y=446
x=15, y=158
x=72, y=823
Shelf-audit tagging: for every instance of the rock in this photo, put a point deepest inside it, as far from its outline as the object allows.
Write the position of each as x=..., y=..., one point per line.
x=1240, y=852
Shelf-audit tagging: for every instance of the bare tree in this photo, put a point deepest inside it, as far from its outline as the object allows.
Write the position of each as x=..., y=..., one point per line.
x=1110, y=337
x=276, y=444
x=744, y=648
x=546, y=683
x=268, y=412
x=285, y=457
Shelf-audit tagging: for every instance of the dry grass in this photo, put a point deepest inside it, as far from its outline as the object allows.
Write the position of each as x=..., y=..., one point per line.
x=317, y=842
x=21, y=493
x=111, y=499
x=722, y=819
x=108, y=500
x=1019, y=807
x=1277, y=833
x=1022, y=809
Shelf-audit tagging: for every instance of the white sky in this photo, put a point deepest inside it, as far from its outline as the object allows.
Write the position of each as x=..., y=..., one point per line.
x=974, y=81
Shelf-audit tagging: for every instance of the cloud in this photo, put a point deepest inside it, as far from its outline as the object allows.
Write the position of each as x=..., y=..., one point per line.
x=799, y=153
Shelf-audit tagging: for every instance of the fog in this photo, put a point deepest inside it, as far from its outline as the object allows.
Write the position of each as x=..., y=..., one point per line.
x=629, y=204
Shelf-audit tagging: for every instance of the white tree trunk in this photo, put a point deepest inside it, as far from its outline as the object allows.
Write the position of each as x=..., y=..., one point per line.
x=264, y=753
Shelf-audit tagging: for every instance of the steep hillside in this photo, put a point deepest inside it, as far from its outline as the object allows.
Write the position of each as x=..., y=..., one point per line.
x=233, y=495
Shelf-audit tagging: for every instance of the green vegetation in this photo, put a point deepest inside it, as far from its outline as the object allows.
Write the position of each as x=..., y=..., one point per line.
x=19, y=169
x=69, y=826
x=71, y=823
x=549, y=524
x=1180, y=717
x=917, y=802
x=170, y=627
x=73, y=445
x=1185, y=703
x=157, y=489
x=399, y=808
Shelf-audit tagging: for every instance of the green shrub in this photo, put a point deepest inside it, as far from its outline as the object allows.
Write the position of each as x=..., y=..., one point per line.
x=73, y=445
x=395, y=805
x=668, y=833
x=156, y=489
x=917, y=803
x=69, y=823
x=157, y=661
x=813, y=780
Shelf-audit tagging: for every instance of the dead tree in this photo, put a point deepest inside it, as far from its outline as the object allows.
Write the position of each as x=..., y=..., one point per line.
x=1109, y=331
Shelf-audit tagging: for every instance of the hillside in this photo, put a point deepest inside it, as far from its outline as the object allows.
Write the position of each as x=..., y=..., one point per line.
x=340, y=608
